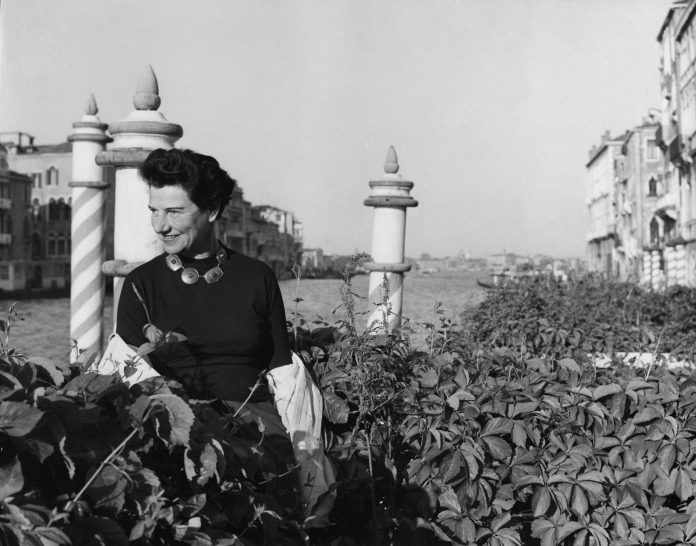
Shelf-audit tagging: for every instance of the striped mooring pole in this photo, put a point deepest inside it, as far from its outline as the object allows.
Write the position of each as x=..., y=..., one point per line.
x=88, y=227
x=390, y=198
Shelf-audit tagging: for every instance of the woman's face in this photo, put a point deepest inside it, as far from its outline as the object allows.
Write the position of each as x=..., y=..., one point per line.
x=182, y=227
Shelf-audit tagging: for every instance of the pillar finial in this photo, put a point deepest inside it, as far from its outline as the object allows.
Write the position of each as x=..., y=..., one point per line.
x=391, y=163
x=91, y=109
x=147, y=93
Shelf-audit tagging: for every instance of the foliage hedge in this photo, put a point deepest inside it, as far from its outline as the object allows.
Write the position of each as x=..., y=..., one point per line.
x=544, y=318
x=469, y=441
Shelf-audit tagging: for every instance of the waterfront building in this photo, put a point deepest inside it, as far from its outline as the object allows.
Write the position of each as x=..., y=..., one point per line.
x=313, y=260
x=641, y=219
x=268, y=233
x=601, y=175
x=48, y=213
x=15, y=195
x=670, y=257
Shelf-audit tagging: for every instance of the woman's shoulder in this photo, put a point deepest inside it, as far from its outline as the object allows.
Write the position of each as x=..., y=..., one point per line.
x=247, y=263
x=148, y=269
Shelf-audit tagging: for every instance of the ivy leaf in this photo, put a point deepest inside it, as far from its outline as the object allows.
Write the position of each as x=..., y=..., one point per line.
x=91, y=385
x=605, y=390
x=180, y=417
x=50, y=368
x=208, y=467
x=11, y=479
x=682, y=484
x=497, y=426
x=108, y=488
x=497, y=447
x=647, y=415
x=691, y=527
x=519, y=434
x=568, y=529
x=579, y=503
x=18, y=418
x=449, y=500
x=570, y=365
x=541, y=501
x=427, y=379
x=335, y=408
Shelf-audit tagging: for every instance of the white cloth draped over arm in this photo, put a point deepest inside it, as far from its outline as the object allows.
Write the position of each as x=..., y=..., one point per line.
x=116, y=356
x=299, y=403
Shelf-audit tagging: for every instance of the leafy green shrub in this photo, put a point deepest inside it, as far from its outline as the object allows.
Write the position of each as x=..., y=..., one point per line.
x=539, y=317
x=85, y=460
x=489, y=436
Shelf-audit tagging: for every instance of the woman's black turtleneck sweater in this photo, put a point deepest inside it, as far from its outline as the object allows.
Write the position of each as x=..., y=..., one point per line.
x=235, y=328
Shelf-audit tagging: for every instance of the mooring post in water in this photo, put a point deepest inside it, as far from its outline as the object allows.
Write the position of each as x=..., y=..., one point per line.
x=143, y=130
x=390, y=198
x=87, y=231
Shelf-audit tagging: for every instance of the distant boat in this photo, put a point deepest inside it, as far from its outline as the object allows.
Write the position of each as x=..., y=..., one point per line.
x=485, y=284
x=428, y=271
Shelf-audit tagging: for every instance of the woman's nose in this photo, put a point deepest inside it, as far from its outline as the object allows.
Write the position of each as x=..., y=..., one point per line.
x=159, y=224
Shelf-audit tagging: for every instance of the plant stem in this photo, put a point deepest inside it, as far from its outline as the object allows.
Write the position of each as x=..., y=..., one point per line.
x=106, y=461
x=253, y=389
x=372, y=488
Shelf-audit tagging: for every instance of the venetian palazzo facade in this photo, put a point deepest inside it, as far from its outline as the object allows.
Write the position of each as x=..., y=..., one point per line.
x=643, y=216
x=36, y=211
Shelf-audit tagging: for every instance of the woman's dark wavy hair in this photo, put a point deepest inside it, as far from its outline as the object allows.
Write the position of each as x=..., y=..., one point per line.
x=207, y=184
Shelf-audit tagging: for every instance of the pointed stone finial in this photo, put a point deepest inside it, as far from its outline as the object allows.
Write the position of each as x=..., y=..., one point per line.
x=91, y=109
x=147, y=93
x=391, y=164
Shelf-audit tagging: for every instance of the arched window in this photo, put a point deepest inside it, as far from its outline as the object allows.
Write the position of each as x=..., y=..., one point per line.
x=36, y=246
x=52, y=210
x=52, y=176
x=654, y=231
x=652, y=187
x=63, y=210
x=51, y=251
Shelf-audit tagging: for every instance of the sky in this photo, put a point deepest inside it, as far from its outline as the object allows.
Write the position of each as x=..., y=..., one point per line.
x=491, y=105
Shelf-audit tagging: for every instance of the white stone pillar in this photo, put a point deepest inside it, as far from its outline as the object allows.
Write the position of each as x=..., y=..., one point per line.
x=390, y=198
x=87, y=230
x=680, y=259
x=144, y=129
x=646, y=269
x=670, y=270
x=656, y=273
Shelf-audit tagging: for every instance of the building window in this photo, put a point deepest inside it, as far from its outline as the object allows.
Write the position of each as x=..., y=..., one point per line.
x=53, y=210
x=51, y=244
x=652, y=188
x=4, y=272
x=654, y=231
x=651, y=150
x=36, y=178
x=63, y=210
x=61, y=246
x=52, y=176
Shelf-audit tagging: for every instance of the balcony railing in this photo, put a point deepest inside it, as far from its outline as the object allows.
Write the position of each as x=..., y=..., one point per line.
x=5, y=203
x=5, y=238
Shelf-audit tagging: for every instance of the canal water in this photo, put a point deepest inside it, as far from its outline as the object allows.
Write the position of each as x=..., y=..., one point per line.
x=46, y=325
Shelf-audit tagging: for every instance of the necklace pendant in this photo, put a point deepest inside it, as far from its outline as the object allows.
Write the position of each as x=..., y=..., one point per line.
x=213, y=275
x=174, y=262
x=190, y=275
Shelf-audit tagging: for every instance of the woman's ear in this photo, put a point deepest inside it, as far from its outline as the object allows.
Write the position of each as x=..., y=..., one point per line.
x=214, y=212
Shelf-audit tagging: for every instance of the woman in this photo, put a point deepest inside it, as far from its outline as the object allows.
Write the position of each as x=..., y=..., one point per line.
x=227, y=307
